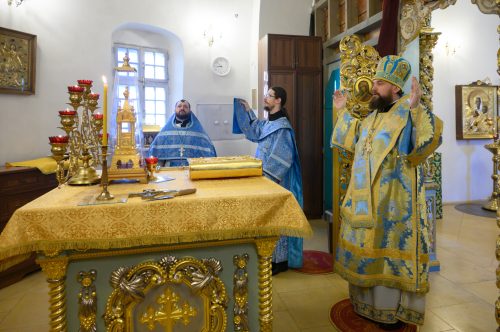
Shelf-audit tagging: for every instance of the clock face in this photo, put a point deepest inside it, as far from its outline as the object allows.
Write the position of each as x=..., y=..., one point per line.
x=221, y=66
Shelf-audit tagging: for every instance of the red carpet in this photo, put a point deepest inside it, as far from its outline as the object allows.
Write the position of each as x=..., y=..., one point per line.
x=316, y=262
x=344, y=318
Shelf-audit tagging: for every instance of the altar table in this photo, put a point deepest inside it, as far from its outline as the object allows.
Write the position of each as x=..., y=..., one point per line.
x=200, y=262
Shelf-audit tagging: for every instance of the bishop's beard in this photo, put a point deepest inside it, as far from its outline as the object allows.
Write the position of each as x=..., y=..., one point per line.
x=378, y=102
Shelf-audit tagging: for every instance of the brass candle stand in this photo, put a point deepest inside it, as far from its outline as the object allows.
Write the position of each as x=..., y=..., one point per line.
x=58, y=150
x=83, y=137
x=494, y=148
x=104, y=195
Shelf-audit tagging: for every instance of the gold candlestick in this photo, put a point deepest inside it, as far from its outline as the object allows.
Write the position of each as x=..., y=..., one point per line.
x=104, y=195
x=83, y=132
x=494, y=148
x=58, y=150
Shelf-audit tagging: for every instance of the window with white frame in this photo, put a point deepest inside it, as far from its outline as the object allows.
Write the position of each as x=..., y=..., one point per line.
x=151, y=65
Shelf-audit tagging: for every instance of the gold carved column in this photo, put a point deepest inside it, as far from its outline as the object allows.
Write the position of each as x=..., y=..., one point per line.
x=265, y=248
x=55, y=271
x=427, y=40
x=497, y=251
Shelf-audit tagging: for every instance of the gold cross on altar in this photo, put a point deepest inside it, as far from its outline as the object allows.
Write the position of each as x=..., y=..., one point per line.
x=169, y=312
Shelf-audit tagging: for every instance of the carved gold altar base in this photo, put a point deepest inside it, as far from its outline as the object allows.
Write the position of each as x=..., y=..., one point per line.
x=165, y=292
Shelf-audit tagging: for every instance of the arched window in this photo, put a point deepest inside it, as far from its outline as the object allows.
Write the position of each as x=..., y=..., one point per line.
x=152, y=71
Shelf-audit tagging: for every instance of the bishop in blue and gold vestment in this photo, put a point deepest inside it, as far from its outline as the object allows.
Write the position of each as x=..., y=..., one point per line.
x=182, y=137
x=384, y=240
x=280, y=161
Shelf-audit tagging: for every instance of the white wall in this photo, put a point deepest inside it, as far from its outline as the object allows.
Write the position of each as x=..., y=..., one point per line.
x=75, y=42
x=289, y=17
x=467, y=165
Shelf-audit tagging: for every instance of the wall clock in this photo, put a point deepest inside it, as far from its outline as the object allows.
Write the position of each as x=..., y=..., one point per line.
x=221, y=66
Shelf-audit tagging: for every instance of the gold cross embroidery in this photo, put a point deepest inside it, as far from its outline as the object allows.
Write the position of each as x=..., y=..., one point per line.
x=367, y=148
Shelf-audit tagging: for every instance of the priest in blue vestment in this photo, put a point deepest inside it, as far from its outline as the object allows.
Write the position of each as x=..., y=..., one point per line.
x=384, y=240
x=182, y=137
x=280, y=161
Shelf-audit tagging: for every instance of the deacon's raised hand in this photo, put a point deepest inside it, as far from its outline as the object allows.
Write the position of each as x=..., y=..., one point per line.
x=339, y=99
x=245, y=103
x=415, y=94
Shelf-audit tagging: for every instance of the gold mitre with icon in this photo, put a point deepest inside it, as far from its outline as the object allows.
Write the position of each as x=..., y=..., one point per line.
x=393, y=69
x=358, y=64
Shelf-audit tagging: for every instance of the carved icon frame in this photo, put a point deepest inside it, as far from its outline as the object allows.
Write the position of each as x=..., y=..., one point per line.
x=17, y=62
x=476, y=111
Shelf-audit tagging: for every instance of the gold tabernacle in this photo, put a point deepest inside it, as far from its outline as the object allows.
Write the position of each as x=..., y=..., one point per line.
x=224, y=167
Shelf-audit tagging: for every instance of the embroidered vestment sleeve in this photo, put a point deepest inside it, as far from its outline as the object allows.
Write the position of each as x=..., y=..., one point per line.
x=281, y=156
x=344, y=134
x=427, y=131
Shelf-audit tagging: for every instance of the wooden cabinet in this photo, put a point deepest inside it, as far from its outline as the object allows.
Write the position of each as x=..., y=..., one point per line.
x=334, y=19
x=18, y=186
x=295, y=63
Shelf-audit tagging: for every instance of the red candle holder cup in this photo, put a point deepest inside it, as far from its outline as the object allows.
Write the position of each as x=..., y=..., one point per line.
x=100, y=136
x=58, y=139
x=151, y=160
x=75, y=89
x=98, y=116
x=85, y=82
x=67, y=113
x=93, y=96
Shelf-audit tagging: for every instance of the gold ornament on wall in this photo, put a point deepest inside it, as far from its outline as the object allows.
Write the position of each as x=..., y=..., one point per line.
x=358, y=64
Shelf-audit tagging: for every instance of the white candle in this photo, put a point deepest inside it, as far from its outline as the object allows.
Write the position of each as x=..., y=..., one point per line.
x=105, y=113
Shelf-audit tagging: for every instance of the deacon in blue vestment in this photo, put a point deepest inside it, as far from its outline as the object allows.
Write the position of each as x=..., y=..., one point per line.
x=384, y=240
x=181, y=138
x=280, y=161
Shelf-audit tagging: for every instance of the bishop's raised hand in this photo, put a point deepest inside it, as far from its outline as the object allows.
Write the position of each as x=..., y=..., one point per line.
x=415, y=94
x=339, y=99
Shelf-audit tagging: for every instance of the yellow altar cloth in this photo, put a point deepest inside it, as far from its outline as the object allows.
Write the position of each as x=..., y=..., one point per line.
x=46, y=165
x=219, y=210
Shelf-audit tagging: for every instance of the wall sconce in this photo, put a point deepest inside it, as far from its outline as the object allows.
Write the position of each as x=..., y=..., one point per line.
x=450, y=49
x=208, y=34
x=210, y=38
x=17, y=2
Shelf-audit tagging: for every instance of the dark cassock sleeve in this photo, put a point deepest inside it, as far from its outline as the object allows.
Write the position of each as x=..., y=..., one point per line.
x=280, y=158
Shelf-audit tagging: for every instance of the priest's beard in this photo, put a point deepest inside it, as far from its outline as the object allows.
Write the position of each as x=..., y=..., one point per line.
x=378, y=102
x=182, y=116
x=267, y=109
